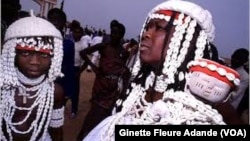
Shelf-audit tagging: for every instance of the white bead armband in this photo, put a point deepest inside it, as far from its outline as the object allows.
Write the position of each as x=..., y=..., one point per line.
x=57, y=118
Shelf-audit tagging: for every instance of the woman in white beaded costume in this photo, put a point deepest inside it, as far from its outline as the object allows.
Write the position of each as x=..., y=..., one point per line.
x=176, y=34
x=31, y=104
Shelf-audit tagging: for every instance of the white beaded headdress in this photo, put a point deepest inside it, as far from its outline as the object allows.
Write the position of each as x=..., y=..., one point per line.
x=190, y=15
x=22, y=33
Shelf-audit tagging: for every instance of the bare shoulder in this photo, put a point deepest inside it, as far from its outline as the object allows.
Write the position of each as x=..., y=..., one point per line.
x=58, y=96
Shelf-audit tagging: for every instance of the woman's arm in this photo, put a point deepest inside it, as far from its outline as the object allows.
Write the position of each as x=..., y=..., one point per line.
x=87, y=51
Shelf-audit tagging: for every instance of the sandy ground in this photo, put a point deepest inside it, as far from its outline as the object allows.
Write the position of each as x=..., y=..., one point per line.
x=72, y=126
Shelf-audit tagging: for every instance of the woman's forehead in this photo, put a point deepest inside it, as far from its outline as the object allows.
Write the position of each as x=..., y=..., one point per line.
x=157, y=20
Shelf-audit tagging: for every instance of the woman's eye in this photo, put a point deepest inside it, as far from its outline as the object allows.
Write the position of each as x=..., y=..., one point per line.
x=25, y=53
x=45, y=55
x=149, y=25
x=159, y=27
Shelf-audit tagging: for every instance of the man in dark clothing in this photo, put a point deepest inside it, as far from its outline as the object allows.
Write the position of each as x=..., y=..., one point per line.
x=111, y=67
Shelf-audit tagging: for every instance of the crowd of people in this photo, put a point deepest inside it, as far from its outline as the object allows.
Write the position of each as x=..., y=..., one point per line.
x=171, y=75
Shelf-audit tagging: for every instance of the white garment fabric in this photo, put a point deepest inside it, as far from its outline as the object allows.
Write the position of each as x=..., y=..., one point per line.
x=95, y=55
x=79, y=45
x=47, y=138
x=86, y=40
x=96, y=133
x=131, y=61
x=244, y=83
x=156, y=113
x=96, y=40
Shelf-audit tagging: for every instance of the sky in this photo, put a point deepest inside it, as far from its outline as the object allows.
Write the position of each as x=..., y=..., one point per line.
x=230, y=17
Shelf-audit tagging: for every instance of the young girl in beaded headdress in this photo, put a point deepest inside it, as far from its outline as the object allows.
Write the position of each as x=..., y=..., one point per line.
x=31, y=104
x=175, y=36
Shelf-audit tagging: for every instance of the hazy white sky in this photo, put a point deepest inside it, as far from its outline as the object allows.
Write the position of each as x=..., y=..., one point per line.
x=231, y=17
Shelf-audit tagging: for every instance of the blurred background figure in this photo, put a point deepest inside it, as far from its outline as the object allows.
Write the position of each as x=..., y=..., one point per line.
x=9, y=14
x=240, y=99
x=95, y=55
x=58, y=18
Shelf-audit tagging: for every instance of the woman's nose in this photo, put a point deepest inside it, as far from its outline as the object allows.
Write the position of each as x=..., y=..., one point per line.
x=147, y=34
x=35, y=59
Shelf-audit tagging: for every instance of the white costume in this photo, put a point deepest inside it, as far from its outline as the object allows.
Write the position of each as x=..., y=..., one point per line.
x=176, y=105
x=95, y=55
x=28, y=34
x=79, y=46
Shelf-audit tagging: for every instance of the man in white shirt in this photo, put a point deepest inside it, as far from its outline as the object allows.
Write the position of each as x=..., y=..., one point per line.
x=95, y=56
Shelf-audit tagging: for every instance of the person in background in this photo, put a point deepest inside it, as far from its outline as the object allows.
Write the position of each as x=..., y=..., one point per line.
x=69, y=29
x=58, y=18
x=132, y=47
x=175, y=33
x=105, y=89
x=31, y=103
x=23, y=14
x=9, y=14
x=240, y=98
x=214, y=55
x=107, y=37
x=77, y=35
x=87, y=41
x=95, y=56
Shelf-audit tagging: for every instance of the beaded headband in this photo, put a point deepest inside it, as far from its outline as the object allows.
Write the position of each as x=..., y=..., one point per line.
x=35, y=44
x=202, y=16
x=166, y=15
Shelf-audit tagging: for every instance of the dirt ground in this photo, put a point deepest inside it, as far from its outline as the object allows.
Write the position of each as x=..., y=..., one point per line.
x=72, y=126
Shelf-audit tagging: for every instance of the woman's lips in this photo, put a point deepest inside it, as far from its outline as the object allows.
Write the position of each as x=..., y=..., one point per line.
x=144, y=47
x=34, y=71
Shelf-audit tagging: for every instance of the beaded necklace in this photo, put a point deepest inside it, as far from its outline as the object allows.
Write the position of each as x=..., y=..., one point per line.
x=43, y=102
x=34, y=83
x=175, y=108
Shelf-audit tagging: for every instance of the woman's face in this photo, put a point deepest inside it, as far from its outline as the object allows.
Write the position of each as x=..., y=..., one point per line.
x=32, y=63
x=152, y=41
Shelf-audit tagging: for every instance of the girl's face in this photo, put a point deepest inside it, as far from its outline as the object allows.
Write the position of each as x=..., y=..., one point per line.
x=152, y=41
x=32, y=63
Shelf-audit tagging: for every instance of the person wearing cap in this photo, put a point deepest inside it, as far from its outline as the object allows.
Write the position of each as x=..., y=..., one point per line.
x=175, y=33
x=31, y=104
